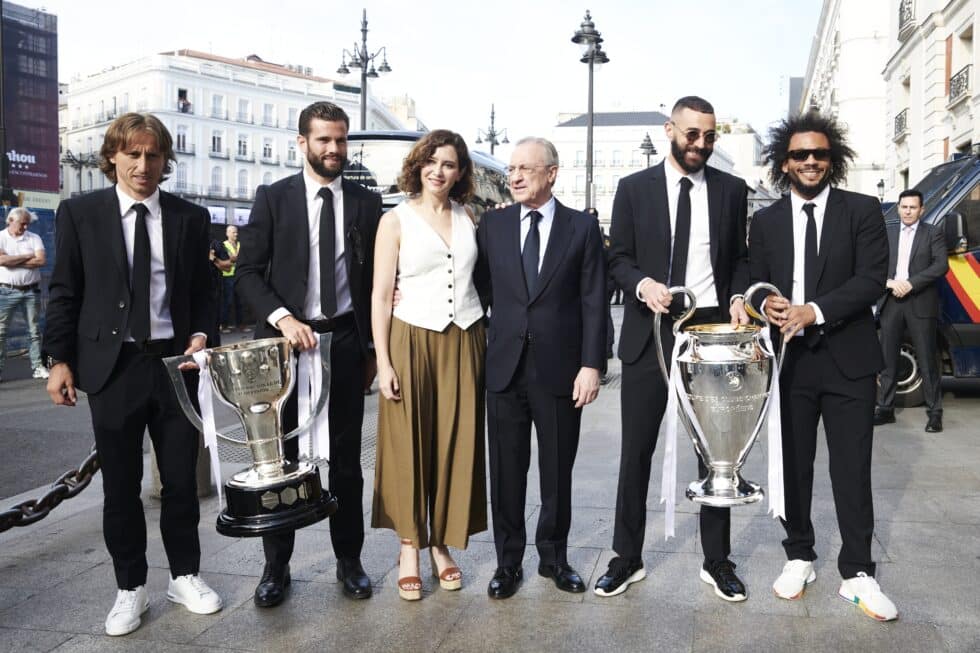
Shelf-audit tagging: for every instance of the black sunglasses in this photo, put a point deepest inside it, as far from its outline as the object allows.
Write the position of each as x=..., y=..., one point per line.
x=820, y=154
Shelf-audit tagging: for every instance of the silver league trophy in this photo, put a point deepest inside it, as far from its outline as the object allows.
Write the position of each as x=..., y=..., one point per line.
x=726, y=376
x=254, y=378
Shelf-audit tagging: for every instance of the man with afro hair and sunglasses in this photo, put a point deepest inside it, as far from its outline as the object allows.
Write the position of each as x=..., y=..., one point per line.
x=826, y=250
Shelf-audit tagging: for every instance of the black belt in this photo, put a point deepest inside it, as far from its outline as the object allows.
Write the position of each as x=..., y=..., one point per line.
x=162, y=347
x=31, y=286
x=328, y=324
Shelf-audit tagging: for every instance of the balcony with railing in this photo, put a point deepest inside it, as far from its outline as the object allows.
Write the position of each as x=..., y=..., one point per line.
x=183, y=106
x=959, y=85
x=906, y=19
x=248, y=157
x=220, y=114
x=245, y=117
x=271, y=160
x=901, y=125
x=218, y=153
x=218, y=191
x=243, y=193
x=270, y=121
x=293, y=163
x=184, y=148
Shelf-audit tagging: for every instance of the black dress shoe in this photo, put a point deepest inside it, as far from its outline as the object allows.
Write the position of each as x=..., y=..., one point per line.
x=935, y=424
x=271, y=589
x=620, y=575
x=504, y=583
x=566, y=579
x=884, y=416
x=722, y=576
x=356, y=583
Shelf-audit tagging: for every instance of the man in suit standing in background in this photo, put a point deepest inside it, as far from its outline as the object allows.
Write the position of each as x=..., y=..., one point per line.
x=541, y=271
x=827, y=252
x=679, y=223
x=306, y=268
x=916, y=260
x=130, y=286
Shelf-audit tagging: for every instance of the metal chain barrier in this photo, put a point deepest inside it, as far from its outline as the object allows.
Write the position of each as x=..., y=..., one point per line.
x=66, y=486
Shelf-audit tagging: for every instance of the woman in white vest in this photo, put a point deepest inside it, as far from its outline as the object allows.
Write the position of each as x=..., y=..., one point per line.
x=430, y=484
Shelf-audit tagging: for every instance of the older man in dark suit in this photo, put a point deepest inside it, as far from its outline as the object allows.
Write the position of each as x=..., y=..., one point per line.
x=916, y=260
x=131, y=285
x=679, y=223
x=541, y=271
x=826, y=251
x=306, y=268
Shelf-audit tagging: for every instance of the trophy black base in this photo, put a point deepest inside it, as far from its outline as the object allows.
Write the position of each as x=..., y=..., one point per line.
x=270, y=509
x=723, y=491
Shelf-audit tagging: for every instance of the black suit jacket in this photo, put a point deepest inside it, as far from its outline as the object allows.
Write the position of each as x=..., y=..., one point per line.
x=640, y=233
x=927, y=264
x=89, y=297
x=565, y=319
x=852, y=264
x=273, y=266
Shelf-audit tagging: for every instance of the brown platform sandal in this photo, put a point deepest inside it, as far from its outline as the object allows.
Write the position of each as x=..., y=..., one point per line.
x=409, y=587
x=451, y=578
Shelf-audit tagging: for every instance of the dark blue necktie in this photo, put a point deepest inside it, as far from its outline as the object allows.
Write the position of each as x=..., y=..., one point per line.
x=532, y=252
x=139, y=305
x=328, y=254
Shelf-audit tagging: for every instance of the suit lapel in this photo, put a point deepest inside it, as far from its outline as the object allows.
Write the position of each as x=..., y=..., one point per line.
x=893, y=234
x=832, y=218
x=351, y=206
x=510, y=257
x=714, y=213
x=784, y=234
x=661, y=208
x=112, y=219
x=298, y=221
x=920, y=235
x=561, y=232
x=173, y=228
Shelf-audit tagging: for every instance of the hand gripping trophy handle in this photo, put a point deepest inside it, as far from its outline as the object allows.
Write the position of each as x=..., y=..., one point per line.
x=761, y=315
x=685, y=316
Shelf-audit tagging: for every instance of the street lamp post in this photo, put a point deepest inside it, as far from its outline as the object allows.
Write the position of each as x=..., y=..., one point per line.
x=648, y=148
x=881, y=190
x=79, y=161
x=361, y=58
x=490, y=135
x=590, y=39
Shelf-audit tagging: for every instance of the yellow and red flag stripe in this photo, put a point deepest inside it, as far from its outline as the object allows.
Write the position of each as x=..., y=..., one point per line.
x=964, y=280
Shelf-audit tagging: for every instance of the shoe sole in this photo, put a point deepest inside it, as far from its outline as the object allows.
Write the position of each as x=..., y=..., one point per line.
x=856, y=601
x=135, y=625
x=637, y=576
x=812, y=577
x=706, y=577
x=173, y=598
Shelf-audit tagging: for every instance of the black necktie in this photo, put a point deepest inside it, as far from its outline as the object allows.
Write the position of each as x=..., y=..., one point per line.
x=810, y=254
x=139, y=308
x=682, y=235
x=532, y=252
x=328, y=254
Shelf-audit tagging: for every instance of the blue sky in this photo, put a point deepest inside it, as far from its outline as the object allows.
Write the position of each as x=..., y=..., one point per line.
x=456, y=58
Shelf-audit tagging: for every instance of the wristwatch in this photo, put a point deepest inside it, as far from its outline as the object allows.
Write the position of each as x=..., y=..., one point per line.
x=50, y=361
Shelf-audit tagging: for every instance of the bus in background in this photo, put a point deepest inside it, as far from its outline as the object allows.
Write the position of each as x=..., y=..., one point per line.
x=374, y=160
x=951, y=197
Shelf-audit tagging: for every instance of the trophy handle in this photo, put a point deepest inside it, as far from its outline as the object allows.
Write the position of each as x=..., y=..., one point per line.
x=177, y=380
x=321, y=402
x=688, y=312
x=761, y=315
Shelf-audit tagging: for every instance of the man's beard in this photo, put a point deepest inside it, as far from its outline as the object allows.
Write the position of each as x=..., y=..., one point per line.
x=321, y=169
x=809, y=190
x=678, y=153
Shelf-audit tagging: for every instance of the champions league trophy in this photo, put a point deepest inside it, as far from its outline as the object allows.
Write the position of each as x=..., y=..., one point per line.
x=723, y=378
x=254, y=378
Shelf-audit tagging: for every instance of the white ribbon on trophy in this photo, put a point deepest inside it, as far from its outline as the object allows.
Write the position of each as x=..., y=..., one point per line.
x=316, y=441
x=668, y=429
x=777, y=503
x=206, y=401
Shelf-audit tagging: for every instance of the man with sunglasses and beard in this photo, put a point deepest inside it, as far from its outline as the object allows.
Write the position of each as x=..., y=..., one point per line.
x=678, y=223
x=306, y=268
x=827, y=251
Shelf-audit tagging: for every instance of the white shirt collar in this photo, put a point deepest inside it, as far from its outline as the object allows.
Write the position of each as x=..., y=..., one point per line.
x=126, y=202
x=674, y=176
x=547, y=210
x=913, y=226
x=313, y=186
x=820, y=201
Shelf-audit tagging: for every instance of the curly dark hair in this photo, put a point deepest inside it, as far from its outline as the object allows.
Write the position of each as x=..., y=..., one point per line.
x=410, y=179
x=776, y=152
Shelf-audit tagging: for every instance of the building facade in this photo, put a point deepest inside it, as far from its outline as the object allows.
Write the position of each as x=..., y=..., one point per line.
x=234, y=122
x=932, y=98
x=843, y=79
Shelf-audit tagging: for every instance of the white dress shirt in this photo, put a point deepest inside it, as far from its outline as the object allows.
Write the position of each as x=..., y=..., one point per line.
x=699, y=275
x=161, y=325
x=11, y=245
x=799, y=244
x=906, y=236
x=311, y=304
x=547, y=211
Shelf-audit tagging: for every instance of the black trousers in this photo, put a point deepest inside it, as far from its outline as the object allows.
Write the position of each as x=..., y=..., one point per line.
x=556, y=421
x=644, y=401
x=344, y=479
x=897, y=317
x=812, y=386
x=138, y=396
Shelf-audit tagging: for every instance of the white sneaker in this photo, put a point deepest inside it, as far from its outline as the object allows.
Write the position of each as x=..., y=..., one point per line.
x=194, y=594
x=125, y=615
x=40, y=373
x=797, y=574
x=863, y=591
